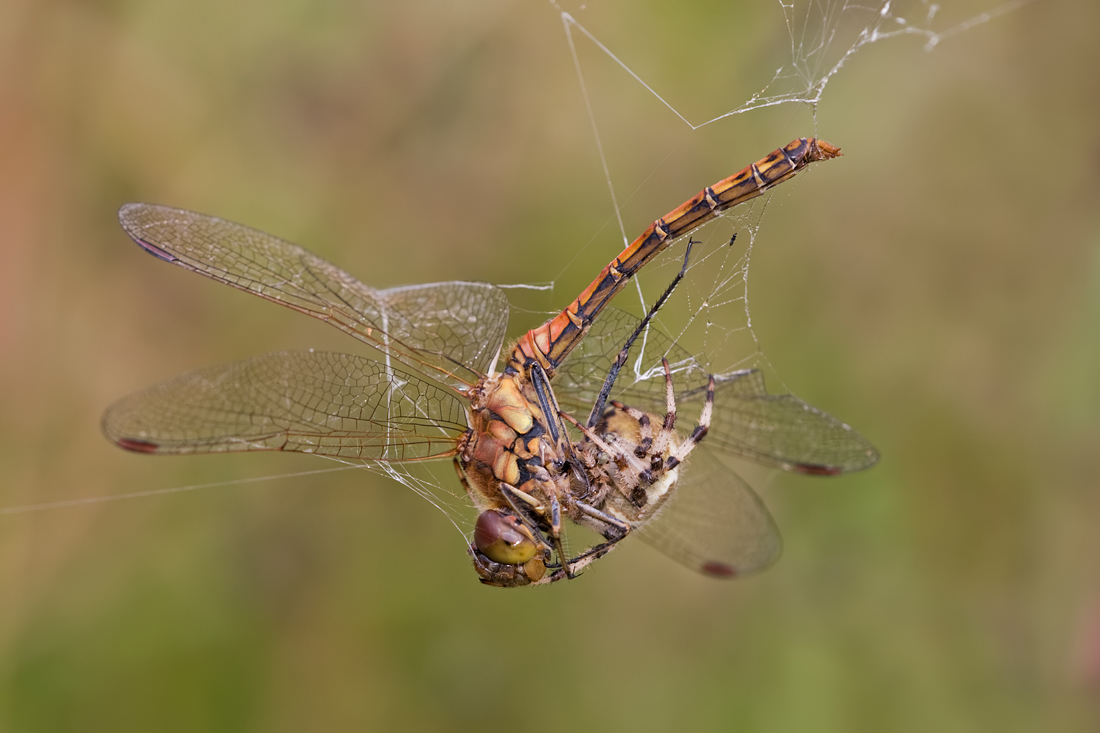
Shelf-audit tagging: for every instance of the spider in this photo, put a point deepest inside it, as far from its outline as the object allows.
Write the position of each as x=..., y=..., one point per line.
x=622, y=473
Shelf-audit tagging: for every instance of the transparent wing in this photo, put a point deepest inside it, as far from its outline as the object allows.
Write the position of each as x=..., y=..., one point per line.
x=641, y=383
x=454, y=328
x=714, y=523
x=782, y=430
x=775, y=430
x=306, y=401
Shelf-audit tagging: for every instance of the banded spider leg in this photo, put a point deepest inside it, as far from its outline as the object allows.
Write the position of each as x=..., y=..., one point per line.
x=628, y=471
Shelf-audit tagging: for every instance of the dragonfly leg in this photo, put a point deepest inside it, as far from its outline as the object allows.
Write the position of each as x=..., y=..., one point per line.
x=514, y=495
x=527, y=508
x=462, y=477
x=624, y=353
x=544, y=392
x=547, y=524
x=555, y=536
x=548, y=519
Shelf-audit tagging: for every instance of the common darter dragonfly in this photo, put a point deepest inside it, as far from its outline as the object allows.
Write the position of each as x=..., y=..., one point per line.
x=534, y=444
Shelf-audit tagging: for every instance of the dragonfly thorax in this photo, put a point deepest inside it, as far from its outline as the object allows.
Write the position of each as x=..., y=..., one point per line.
x=508, y=443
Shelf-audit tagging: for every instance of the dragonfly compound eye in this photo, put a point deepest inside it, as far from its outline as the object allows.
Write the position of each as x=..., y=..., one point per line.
x=503, y=538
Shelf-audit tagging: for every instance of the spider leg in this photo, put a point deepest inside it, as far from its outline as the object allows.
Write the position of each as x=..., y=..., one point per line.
x=698, y=434
x=664, y=436
x=615, y=532
x=618, y=528
x=670, y=397
x=603, y=445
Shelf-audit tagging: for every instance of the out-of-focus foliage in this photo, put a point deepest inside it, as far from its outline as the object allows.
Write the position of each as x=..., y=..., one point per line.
x=938, y=287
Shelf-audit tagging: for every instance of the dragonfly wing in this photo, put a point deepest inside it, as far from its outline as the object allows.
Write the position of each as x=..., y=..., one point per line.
x=457, y=323
x=780, y=431
x=307, y=401
x=456, y=327
x=641, y=383
x=714, y=523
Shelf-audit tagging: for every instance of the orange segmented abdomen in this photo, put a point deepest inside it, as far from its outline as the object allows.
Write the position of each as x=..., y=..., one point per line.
x=550, y=343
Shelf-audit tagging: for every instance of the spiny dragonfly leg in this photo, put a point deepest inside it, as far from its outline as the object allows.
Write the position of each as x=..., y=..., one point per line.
x=555, y=535
x=543, y=519
x=462, y=476
x=512, y=494
x=524, y=504
x=548, y=403
x=554, y=418
x=624, y=353
x=553, y=413
x=526, y=509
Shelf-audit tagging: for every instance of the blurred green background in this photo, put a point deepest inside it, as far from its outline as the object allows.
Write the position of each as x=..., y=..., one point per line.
x=939, y=288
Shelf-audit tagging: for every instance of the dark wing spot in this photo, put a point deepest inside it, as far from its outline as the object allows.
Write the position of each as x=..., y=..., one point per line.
x=718, y=570
x=156, y=251
x=138, y=446
x=816, y=469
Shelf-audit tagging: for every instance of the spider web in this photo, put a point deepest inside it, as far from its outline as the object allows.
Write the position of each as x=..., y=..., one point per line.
x=709, y=315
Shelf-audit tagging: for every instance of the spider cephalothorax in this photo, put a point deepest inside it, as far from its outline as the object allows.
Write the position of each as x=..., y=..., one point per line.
x=634, y=463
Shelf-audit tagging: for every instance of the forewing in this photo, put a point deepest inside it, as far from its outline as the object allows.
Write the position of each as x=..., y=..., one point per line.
x=714, y=523
x=453, y=328
x=458, y=322
x=307, y=401
x=776, y=430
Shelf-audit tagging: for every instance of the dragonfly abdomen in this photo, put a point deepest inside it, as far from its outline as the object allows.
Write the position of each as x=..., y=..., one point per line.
x=550, y=343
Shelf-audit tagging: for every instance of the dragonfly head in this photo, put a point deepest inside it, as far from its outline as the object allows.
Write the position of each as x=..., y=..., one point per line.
x=503, y=538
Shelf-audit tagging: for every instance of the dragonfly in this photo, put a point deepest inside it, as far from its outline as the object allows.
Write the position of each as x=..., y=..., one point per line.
x=432, y=390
